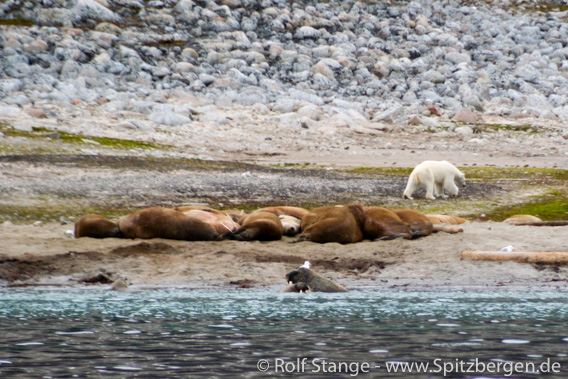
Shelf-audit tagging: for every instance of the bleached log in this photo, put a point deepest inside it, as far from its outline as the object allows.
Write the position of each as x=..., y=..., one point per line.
x=526, y=256
x=447, y=229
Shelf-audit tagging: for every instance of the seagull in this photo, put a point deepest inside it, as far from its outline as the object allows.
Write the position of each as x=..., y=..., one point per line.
x=306, y=264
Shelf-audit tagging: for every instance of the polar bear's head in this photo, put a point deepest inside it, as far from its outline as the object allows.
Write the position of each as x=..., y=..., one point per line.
x=460, y=179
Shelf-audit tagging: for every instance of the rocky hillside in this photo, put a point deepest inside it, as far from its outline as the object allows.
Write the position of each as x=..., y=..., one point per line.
x=351, y=63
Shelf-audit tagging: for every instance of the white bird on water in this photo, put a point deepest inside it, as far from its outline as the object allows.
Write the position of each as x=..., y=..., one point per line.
x=306, y=264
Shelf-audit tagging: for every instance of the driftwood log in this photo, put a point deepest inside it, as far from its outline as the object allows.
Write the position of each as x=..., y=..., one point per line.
x=543, y=223
x=451, y=229
x=526, y=257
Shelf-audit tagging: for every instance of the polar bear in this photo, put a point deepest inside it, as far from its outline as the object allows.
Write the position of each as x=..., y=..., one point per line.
x=436, y=177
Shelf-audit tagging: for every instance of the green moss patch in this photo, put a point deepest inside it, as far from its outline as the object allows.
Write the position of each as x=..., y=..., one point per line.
x=17, y=22
x=527, y=173
x=381, y=170
x=38, y=133
x=552, y=206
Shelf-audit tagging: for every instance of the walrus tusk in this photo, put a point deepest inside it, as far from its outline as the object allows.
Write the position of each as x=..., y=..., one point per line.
x=234, y=223
x=526, y=257
x=226, y=227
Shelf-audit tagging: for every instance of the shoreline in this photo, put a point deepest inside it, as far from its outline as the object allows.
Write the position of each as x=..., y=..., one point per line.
x=42, y=255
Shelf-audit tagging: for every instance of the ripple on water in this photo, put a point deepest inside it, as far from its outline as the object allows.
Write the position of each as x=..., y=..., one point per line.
x=514, y=341
x=128, y=368
x=75, y=333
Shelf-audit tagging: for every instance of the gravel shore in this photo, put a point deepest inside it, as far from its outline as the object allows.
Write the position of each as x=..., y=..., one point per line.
x=249, y=80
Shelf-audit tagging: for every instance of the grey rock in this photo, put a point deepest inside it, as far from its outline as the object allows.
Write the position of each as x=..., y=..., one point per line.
x=169, y=118
x=90, y=9
x=389, y=115
x=305, y=96
x=306, y=32
x=206, y=79
x=10, y=85
x=464, y=130
x=8, y=110
x=285, y=105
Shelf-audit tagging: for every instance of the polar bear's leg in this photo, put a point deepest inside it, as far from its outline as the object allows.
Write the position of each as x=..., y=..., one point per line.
x=411, y=187
x=451, y=187
x=439, y=190
x=427, y=179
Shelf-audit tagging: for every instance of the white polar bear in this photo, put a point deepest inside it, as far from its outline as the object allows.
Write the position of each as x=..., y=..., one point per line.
x=435, y=177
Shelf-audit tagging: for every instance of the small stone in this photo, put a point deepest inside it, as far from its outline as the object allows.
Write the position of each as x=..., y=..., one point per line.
x=465, y=130
x=465, y=115
x=36, y=112
x=168, y=118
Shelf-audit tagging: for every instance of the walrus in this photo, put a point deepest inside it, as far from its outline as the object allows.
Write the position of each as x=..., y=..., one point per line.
x=304, y=277
x=290, y=224
x=286, y=210
x=521, y=219
x=96, y=226
x=419, y=224
x=261, y=226
x=384, y=224
x=222, y=222
x=234, y=214
x=160, y=222
x=445, y=219
x=341, y=224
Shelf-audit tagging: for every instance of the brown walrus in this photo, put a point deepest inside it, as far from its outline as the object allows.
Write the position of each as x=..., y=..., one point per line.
x=521, y=219
x=304, y=277
x=341, y=224
x=222, y=222
x=160, y=222
x=419, y=224
x=445, y=219
x=232, y=213
x=261, y=226
x=96, y=226
x=384, y=224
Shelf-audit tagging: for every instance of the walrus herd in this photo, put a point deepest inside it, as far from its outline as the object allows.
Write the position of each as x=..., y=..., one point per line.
x=341, y=224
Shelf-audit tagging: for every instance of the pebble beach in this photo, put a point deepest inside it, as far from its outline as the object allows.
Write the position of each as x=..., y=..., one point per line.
x=243, y=76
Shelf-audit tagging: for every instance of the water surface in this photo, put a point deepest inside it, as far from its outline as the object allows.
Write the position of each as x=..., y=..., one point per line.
x=85, y=332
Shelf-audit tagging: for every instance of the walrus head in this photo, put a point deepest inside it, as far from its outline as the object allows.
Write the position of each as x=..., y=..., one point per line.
x=297, y=276
x=300, y=287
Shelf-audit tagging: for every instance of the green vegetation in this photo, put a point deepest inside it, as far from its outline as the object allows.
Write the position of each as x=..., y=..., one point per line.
x=43, y=133
x=527, y=173
x=16, y=22
x=551, y=206
x=400, y=171
x=55, y=211
x=530, y=129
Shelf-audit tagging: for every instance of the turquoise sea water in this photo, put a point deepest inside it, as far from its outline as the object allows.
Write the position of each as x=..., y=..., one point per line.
x=171, y=333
